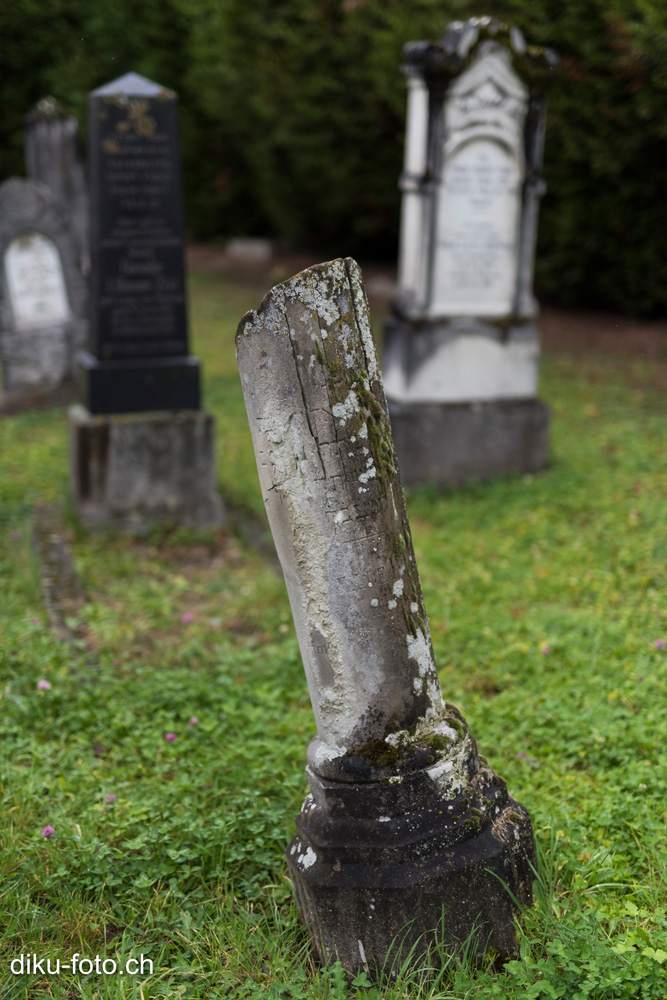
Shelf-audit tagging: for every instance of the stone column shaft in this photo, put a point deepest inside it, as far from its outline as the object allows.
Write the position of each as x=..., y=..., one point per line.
x=411, y=245
x=336, y=507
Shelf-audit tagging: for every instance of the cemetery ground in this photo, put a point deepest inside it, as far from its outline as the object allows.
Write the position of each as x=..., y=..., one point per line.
x=152, y=752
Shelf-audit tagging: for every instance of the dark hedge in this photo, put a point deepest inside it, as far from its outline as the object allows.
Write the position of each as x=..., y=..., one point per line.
x=292, y=117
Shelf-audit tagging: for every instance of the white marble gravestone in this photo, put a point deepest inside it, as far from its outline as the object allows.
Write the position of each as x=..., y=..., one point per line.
x=35, y=282
x=42, y=317
x=478, y=205
x=463, y=331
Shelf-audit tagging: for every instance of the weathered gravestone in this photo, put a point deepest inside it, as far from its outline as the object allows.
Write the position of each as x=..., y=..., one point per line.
x=52, y=157
x=407, y=834
x=134, y=461
x=462, y=348
x=42, y=297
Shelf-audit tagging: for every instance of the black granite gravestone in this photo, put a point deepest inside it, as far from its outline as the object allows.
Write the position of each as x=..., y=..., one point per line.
x=139, y=357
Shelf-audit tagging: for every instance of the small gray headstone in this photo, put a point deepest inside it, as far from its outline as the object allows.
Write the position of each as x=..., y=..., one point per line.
x=42, y=293
x=52, y=157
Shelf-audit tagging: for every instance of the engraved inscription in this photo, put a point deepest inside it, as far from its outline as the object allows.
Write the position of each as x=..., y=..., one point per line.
x=322, y=662
x=477, y=231
x=35, y=282
x=139, y=248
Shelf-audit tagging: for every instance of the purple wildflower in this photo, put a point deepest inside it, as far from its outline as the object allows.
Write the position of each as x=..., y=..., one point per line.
x=48, y=831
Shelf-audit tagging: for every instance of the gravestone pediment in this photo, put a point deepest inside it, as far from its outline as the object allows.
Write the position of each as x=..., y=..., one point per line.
x=488, y=98
x=132, y=85
x=493, y=64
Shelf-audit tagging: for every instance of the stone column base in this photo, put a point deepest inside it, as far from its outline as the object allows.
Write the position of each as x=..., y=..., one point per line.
x=131, y=471
x=391, y=869
x=453, y=443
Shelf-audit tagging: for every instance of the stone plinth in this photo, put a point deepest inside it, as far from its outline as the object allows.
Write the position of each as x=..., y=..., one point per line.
x=134, y=386
x=131, y=471
x=415, y=854
x=462, y=361
x=451, y=444
x=462, y=400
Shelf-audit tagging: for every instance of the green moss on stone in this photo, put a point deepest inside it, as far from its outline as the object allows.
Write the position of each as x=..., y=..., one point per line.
x=376, y=752
x=398, y=545
x=438, y=742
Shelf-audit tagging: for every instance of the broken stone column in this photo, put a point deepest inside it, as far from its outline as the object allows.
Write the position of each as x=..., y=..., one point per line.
x=407, y=837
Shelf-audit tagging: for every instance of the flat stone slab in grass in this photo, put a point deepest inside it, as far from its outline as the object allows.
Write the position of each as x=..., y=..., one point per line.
x=61, y=589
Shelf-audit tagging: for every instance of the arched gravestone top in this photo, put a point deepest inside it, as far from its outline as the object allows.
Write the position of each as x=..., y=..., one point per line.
x=42, y=292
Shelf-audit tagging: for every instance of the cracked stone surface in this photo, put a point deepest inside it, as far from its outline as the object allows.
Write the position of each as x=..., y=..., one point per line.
x=335, y=503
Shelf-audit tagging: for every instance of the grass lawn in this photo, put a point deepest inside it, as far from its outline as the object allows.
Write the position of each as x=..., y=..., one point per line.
x=547, y=598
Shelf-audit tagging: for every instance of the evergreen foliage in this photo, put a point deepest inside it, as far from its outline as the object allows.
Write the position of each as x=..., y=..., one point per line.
x=292, y=116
